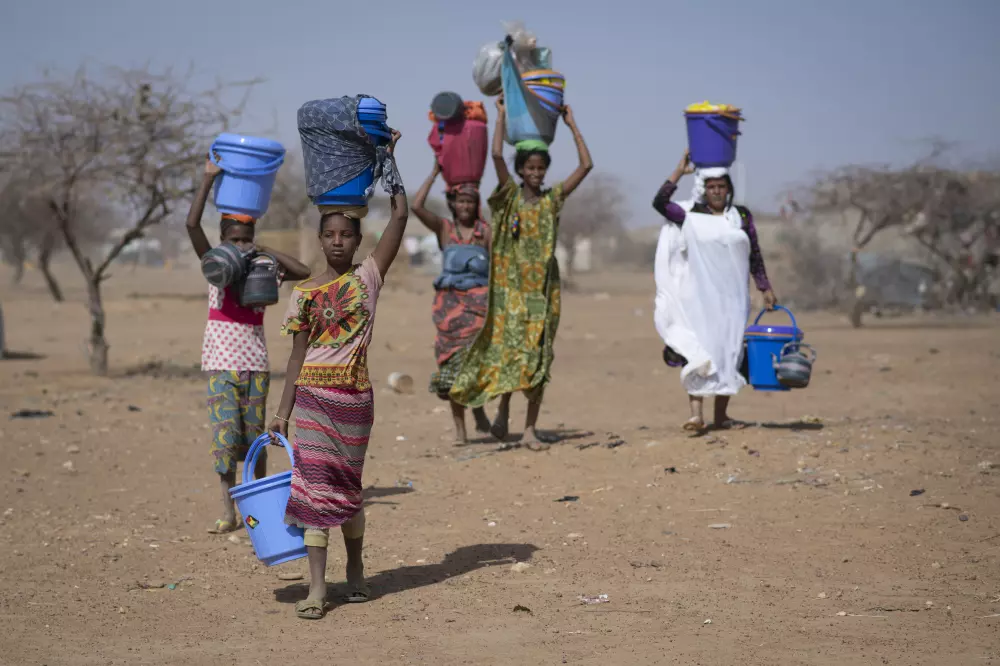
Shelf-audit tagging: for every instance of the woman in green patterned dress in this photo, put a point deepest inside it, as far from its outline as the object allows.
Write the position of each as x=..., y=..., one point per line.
x=514, y=349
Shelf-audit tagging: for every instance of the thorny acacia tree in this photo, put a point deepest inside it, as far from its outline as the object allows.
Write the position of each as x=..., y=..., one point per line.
x=134, y=138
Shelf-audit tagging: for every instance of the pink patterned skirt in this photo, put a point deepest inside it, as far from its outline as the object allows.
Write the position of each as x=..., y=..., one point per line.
x=332, y=427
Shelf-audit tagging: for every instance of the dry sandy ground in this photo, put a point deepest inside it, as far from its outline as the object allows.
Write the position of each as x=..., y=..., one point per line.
x=827, y=558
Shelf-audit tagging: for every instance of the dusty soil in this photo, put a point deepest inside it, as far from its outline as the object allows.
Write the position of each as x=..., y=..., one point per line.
x=826, y=557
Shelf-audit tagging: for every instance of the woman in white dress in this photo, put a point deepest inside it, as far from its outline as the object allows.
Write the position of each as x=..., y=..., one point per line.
x=705, y=257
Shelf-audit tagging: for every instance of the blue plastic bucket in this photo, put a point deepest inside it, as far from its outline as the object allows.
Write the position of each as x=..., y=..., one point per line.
x=249, y=166
x=551, y=98
x=712, y=139
x=370, y=108
x=351, y=193
x=763, y=348
x=262, y=504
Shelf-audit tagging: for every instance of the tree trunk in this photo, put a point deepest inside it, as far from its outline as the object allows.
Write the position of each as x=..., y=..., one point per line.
x=45, y=266
x=98, y=343
x=18, y=271
x=856, y=293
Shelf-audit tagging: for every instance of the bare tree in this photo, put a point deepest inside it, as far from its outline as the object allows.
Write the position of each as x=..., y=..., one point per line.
x=134, y=138
x=951, y=214
x=598, y=207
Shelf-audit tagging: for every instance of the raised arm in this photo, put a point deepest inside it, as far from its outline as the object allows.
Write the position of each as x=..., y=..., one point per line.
x=294, y=269
x=197, y=235
x=503, y=175
x=388, y=246
x=586, y=164
x=430, y=220
x=661, y=202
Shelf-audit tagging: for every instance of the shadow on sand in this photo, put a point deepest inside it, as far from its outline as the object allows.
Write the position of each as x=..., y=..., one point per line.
x=456, y=563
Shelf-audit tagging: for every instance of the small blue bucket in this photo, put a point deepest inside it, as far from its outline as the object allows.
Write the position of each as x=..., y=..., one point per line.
x=262, y=504
x=763, y=348
x=249, y=166
x=351, y=193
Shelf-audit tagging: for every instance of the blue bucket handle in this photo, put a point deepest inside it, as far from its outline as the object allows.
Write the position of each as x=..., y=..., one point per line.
x=720, y=127
x=265, y=170
x=783, y=309
x=259, y=445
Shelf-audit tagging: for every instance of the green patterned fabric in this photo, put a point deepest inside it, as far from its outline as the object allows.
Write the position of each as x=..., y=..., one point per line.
x=513, y=352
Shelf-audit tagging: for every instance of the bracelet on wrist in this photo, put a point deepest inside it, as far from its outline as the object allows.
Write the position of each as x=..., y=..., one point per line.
x=281, y=418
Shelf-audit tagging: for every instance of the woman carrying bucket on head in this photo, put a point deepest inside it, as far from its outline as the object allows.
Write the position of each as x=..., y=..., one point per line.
x=330, y=318
x=705, y=257
x=460, y=292
x=514, y=350
x=234, y=350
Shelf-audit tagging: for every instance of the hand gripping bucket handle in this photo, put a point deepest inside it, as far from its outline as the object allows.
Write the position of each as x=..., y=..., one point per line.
x=255, y=171
x=783, y=309
x=258, y=445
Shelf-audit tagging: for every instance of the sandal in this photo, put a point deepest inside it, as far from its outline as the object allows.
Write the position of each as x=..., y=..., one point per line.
x=359, y=595
x=694, y=424
x=311, y=609
x=223, y=526
x=731, y=424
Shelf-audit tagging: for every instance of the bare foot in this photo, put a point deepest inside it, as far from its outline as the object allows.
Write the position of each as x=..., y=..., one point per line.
x=500, y=427
x=534, y=442
x=482, y=423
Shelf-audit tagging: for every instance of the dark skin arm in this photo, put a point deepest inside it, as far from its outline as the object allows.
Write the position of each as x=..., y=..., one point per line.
x=388, y=246
x=294, y=269
x=586, y=163
x=279, y=424
x=503, y=175
x=197, y=235
x=430, y=220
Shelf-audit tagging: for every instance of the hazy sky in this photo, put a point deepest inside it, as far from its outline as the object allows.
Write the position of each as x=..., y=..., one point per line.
x=821, y=83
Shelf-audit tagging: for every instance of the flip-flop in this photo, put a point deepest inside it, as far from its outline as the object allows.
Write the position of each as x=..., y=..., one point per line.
x=359, y=595
x=310, y=609
x=223, y=526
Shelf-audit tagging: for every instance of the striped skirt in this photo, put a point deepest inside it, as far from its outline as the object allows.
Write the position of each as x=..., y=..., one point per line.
x=332, y=427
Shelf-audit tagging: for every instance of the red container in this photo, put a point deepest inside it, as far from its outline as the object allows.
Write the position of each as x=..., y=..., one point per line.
x=461, y=145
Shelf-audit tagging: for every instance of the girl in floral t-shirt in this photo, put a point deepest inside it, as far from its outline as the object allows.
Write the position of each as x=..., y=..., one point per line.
x=331, y=318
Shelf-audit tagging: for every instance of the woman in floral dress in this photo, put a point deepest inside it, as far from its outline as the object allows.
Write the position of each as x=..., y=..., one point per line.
x=514, y=351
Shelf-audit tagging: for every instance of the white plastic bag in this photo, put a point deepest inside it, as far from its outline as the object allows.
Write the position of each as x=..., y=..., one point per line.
x=486, y=69
x=523, y=46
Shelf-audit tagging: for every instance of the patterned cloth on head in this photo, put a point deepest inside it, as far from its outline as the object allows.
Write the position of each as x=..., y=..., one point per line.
x=514, y=350
x=237, y=402
x=336, y=148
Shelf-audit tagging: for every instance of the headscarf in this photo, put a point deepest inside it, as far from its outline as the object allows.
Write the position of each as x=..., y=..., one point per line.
x=229, y=219
x=698, y=194
x=469, y=189
x=700, y=176
x=532, y=144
